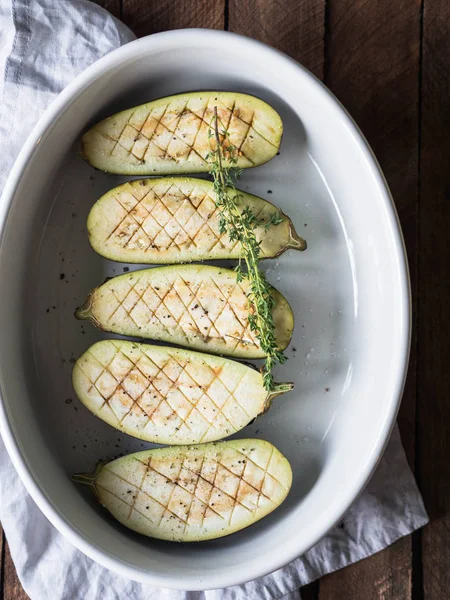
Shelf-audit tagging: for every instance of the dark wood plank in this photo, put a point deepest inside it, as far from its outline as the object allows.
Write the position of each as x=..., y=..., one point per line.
x=113, y=6
x=372, y=65
x=310, y=591
x=293, y=26
x=2, y=559
x=384, y=576
x=12, y=588
x=151, y=16
x=434, y=302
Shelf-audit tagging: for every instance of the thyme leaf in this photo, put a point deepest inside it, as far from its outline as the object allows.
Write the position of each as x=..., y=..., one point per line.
x=240, y=224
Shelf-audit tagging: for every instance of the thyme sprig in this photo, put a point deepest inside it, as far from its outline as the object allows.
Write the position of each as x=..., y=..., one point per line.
x=240, y=226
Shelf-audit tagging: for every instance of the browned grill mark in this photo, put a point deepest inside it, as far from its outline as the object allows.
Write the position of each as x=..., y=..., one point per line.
x=106, y=370
x=135, y=402
x=174, y=382
x=192, y=240
x=161, y=200
x=231, y=114
x=207, y=504
x=174, y=480
x=106, y=136
x=174, y=217
x=264, y=476
x=121, y=133
x=191, y=147
x=246, y=123
x=234, y=498
x=246, y=336
x=220, y=410
x=101, y=487
x=120, y=385
x=137, y=494
x=245, y=137
x=127, y=215
x=159, y=123
x=140, y=228
x=194, y=493
x=140, y=297
x=145, y=493
x=218, y=238
x=194, y=406
x=198, y=301
x=150, y=384
x=199, y=128
x=265, y=468
x=227, y=303
x=171, y=493
x=150, y=241
x=166, y=151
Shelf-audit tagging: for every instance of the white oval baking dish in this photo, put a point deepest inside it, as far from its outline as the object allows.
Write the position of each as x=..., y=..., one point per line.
x=349, y=292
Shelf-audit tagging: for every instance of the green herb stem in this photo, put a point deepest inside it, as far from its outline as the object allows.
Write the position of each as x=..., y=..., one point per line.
x=240, y=226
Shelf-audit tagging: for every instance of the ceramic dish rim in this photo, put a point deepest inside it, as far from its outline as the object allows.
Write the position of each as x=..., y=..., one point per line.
x=81, y=83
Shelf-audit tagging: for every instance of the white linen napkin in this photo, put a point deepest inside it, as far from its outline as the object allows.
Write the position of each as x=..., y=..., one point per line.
x=43, y=45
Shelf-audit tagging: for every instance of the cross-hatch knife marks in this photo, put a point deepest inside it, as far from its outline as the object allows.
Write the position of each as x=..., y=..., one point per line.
x=169, y=396
x=193, y=493
x=171, y=135
x=175, y=219
x=197, y=306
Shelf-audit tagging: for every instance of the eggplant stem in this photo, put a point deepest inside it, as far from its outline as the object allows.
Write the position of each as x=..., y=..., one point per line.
x=278, y=389
x=88, y=479
x=83, y=312
x=295, y=241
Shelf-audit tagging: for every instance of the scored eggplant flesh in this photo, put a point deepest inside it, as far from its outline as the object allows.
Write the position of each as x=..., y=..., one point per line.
x=169, y=396
x=173, y=134
x=198, y=306
x=176, y=220
x=193, y=493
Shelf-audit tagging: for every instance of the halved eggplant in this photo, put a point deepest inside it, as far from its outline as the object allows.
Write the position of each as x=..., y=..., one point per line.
x=193, y=493
x=169, y=396
x=175, y=220
x=172, y=135
x=197, y=306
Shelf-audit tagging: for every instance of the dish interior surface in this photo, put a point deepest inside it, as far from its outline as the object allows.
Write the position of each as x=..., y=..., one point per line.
x=348, y=346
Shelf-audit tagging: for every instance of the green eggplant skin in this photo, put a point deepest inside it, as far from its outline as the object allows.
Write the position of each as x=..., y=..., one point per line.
x=197, y=306
x=170, y=396
x=175, y=220
x=172, y=135
x=193, y=493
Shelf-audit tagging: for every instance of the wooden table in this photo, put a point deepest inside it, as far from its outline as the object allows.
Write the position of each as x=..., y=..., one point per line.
x=388, y=61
